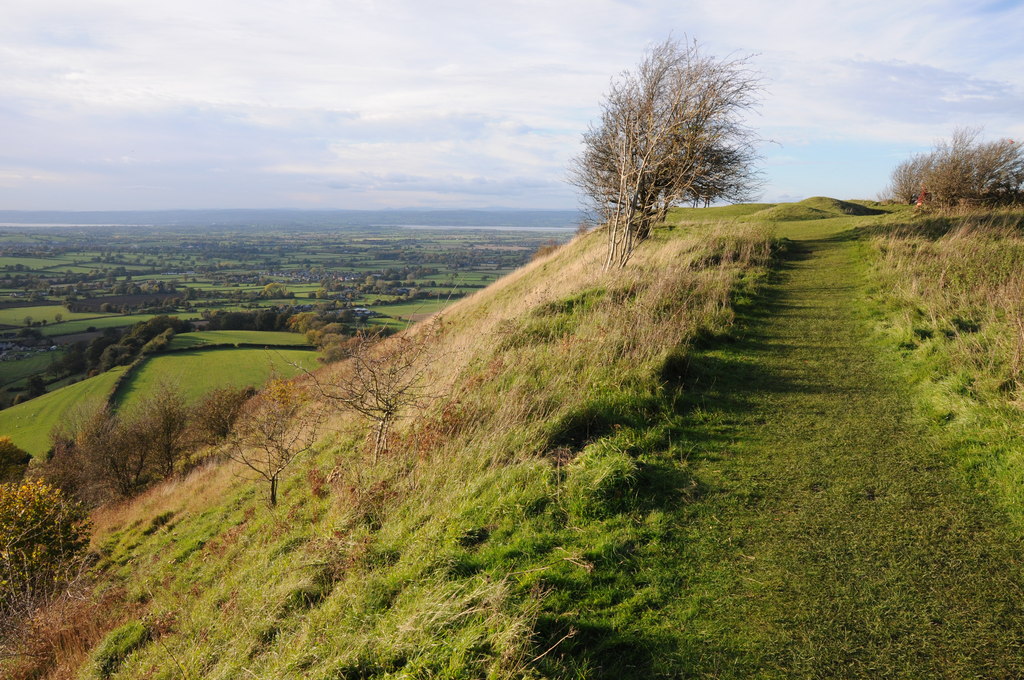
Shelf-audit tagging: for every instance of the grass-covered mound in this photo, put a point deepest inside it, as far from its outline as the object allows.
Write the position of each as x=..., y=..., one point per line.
x=835, y=206
x=816, y=208
x=525, y=524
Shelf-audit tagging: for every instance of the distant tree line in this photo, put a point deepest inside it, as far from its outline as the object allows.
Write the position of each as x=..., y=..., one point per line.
x=115, y=347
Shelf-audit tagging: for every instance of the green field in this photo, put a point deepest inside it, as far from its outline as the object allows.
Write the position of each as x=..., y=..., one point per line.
x=415, y=310
x=29, y=424
x=268, y=338
x=15, y=316
x=15, y=371
x=32, y=262
x=99, y=323
x=197, y=372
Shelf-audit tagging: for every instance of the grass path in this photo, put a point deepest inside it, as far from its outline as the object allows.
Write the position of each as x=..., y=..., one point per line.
x=833, y=538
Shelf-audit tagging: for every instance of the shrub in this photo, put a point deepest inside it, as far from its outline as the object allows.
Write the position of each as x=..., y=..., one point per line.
x=42, y=537
x=13, y=460
x=963, y=170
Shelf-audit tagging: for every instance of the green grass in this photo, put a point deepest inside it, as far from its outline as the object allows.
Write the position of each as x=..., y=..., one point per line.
x=16, y=371
x=693, y=468
x=15, y=316
x=724, y=212
x=495, y=547
x=99, y=323
x=29, y=424
x=268, y=338
x=416, y=309
x=834, y=537
x=197, y=372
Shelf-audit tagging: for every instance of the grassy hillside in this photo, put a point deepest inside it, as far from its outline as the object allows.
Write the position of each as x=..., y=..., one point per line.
x=951, y=298
x=710, y=464
x=29, y=424
x=498, y=528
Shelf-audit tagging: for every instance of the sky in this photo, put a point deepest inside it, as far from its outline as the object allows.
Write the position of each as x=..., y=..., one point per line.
x=365, y=104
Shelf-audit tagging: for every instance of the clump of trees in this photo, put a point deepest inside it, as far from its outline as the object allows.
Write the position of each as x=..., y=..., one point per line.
x=671, y=132
x=256, y=320
x=13, y=460
x=115, y=348
x=103, y=454
x=962, y=170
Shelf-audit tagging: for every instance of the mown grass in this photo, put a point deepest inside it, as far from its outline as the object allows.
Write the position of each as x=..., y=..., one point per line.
x=521, y=527
x=835, y=536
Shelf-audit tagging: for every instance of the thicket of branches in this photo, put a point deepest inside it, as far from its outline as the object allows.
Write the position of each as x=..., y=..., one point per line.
x=671, y=132
x=962, y=171
x=103, y=455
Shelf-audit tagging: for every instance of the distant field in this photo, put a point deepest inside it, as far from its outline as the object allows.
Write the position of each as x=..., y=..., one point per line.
x=268, y=338
x=32, y=262
x=15, y=316
x=414, y=311
x=197, y=372
x=99, y=322
x=15, y=371
x=29, y=424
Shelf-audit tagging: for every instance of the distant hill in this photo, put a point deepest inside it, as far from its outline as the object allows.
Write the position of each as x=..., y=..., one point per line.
x=815, y=208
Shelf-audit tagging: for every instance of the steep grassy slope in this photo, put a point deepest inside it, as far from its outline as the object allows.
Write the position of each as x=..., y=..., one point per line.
x=523, y=526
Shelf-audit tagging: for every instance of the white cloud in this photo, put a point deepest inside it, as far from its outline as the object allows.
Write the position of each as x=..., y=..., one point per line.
x=472, y=95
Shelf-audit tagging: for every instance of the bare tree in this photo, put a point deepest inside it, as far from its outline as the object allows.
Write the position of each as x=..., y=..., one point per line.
x=116, y=452
x=908, y=179
x=379, y=380
x=963, y=170
x=215, y=415
x=274, y=428
x=671, y=132
x=162, y=421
